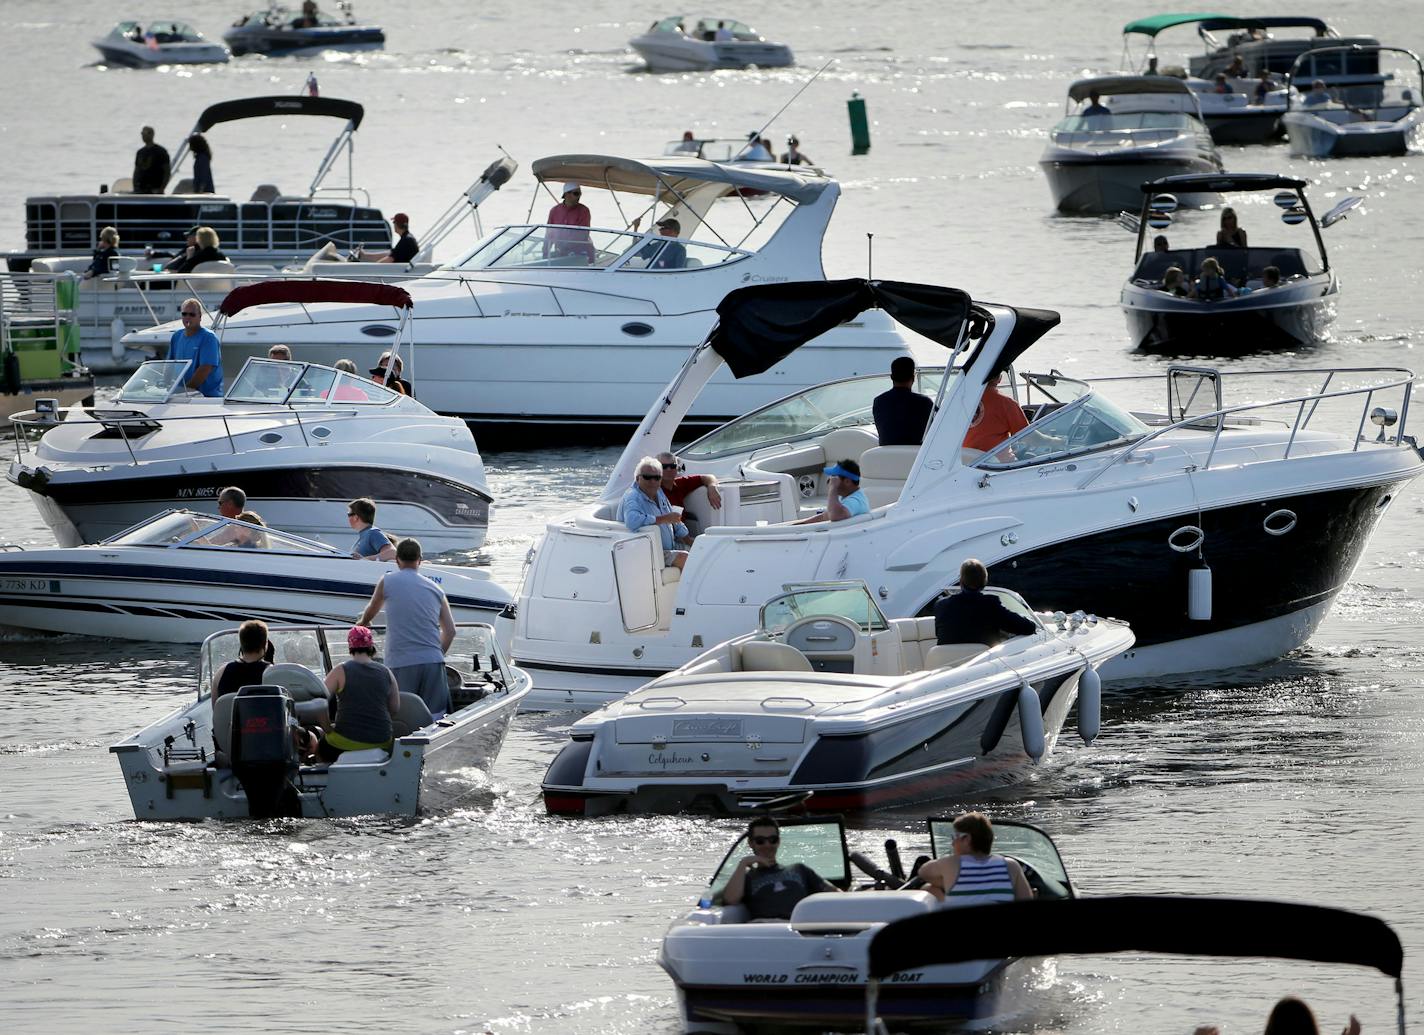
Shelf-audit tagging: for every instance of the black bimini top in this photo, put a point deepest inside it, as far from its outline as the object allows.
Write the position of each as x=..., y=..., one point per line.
x=262, y=107
x=1221, y=182
x=1285, y=21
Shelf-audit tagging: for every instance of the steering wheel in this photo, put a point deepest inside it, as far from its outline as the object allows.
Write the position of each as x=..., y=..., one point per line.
x=821, y=633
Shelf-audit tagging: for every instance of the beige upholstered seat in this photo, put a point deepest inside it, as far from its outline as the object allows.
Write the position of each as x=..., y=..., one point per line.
x=222, y=722
x=945, y=655
x=764, y=656
x=184, y=186
x=883, y=471
x=123, y=185
x=413, y=715
x=298, y=680
x=847, y=444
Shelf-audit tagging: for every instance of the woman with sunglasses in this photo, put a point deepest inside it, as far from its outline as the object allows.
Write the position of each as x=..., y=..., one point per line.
x=769, y=890
x=645, y=506
x=971, y=875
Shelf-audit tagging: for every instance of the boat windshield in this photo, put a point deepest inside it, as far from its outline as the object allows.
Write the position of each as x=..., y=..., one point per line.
x=820, y=844
x=849, y=600
x=184, y=529
x=154, y=381
x=1127, y=122
x=1086, y=425
x=816, y=411
x=572, y=247
x=1020, y=841
x=304, y=384
x=709, y=25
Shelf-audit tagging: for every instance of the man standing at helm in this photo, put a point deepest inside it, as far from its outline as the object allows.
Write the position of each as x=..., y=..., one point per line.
x=570, y=212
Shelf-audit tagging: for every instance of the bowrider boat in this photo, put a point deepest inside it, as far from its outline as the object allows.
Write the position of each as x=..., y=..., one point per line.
x=668, y=46
x=302, y=440
x=1186, y=925
x=1261, y=482
x=281, y=32
x=136, y=45
x=810, y=972
x=190, y=766
x=182, y=576
x=1335, y=128
x=1095, y=163
x=563, y=327
x=829, y=698
x=1295, y=310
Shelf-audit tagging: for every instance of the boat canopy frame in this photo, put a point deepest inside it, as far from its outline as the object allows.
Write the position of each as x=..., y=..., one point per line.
x=1293, y=101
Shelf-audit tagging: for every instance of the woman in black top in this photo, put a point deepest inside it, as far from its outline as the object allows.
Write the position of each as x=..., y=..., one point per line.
x=202, y=164
x=108, y=249
x=251, y=661
x=1230, y=235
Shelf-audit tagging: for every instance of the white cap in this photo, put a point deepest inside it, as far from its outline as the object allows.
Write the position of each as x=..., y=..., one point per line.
x=570, y=188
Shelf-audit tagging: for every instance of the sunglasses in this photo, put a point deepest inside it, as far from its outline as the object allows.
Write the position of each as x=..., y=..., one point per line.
x=651, y=477
x=669, y=467
x=774, y=839
x=186, y=313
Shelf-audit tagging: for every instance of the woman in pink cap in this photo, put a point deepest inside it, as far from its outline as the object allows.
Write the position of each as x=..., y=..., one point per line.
x=364, y=699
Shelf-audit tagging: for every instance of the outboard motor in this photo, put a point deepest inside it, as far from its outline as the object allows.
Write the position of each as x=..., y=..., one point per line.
x=263, y=754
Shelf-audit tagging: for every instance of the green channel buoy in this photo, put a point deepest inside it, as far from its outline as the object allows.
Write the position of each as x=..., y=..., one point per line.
x=859, y=124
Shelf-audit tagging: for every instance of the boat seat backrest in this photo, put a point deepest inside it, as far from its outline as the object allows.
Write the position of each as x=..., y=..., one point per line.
x=222, y=722
x=123, y=185
x=862, y=907
x=917, y=636
x=847, y=444
x=216, y=266
x=1239, y=264
x=413, y=715
x=765, y=656
x=947, y=655
x=298, y=680
x=883, y=471
x=184, y=186
x=266, y=193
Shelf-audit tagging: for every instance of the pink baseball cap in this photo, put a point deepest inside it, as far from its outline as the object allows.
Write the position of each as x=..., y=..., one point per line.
x=360, y=638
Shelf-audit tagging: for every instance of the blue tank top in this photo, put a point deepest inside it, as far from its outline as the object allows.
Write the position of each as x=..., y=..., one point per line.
x=980, y=882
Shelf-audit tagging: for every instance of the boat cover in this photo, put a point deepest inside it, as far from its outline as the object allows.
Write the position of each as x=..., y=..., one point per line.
x=260, y=107
x=1107, y=85
x=1282, y=21
x=1160, y=22
x=675, y=175
x=759, y=326
x=354, y=291
x=1223, y=182
x=1184, y=925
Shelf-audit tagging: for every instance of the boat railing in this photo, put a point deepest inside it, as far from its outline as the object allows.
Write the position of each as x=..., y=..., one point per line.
x=30, y=308
x=28, y=422
x=1304, y=406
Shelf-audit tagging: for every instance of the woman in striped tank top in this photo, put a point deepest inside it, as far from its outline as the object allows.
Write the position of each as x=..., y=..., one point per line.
x=972, y=876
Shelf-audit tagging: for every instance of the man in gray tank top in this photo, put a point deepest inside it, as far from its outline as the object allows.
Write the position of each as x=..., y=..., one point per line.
x=419, y=628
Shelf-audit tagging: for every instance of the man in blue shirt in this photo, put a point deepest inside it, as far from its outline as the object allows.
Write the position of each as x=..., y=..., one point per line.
x=844, y=498
x=644, y=506
x=201, y=348
x=371, y=543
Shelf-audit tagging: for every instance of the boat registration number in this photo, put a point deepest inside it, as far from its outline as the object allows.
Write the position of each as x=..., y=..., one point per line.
x=29, y=585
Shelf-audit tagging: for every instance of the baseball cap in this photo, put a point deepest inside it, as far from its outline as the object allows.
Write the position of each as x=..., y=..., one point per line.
x=401, y=217
x=670, y=221
x=572, y=188
x=359, y=637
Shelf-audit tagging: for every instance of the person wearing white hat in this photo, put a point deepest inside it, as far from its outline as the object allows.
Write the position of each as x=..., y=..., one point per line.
x=572, y=213
x=754, y=150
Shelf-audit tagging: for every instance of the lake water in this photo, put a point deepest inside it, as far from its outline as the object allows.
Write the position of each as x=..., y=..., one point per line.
x=1300, y=780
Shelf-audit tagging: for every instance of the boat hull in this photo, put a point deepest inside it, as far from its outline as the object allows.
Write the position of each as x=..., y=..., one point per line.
x=1105, y=186
x=136, y=55
x=292, y=42
x=1252, y=127
x=687, y=55
x=1313, y=137
x=1229, y=327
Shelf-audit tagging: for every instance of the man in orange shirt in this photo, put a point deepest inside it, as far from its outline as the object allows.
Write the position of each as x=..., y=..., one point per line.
x=997, y=419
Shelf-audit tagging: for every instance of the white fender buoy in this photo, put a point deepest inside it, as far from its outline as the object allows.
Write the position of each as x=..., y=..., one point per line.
x=1199, y=594
x=1090, y=705
x=1031, y=722
x=117, y=330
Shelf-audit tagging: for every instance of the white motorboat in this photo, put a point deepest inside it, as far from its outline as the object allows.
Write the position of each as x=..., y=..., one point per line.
x=1221, y=531
x=302, y=441
x=190, y=766
x=711, y=43
x=140, y=45
x=1096, y=163
x=1296, y=310
x=182, y=576
x=529, y=333
x=278, y=31
x=811, y=972
x=1392, y=125
x=834, y=706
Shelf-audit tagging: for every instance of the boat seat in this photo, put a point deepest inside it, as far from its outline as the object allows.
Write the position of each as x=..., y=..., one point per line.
x=848, y=444
x=671, y=574
x=298, y=680
x=222, y=722
x=765, y=656
x=216, y=266
x=266, y=193
x=185, y=186
x=123, y=185
x=883, y=471
x=834, y=909
x=413, y=715
x=947, y=655
x=917, y=636
x=366, y=756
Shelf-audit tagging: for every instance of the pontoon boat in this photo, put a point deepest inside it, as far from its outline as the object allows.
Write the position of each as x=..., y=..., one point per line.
x=669, y=46
x=137, y=45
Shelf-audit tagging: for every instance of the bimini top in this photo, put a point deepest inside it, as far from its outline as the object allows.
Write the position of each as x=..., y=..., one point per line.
x=1161, y=22
x=1220, y=183
x=1108, y=85
x=1212, y=22
x=675, y=175
x=262, y=107
x=1186, y=925
x=268, y=291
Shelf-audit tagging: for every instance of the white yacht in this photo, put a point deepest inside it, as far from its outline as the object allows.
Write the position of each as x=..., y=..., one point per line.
x=1151, y=127
x=1220, y=529
x=301, y=439
x=1392, y=124
x=148, y=45
x=834, y=706
x=670, y=46
x=528, y=330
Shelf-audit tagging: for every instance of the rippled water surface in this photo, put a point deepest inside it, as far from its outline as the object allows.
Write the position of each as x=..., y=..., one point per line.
x=1300, y=780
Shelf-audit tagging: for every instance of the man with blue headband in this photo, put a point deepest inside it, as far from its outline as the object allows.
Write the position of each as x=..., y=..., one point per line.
x=844, y=498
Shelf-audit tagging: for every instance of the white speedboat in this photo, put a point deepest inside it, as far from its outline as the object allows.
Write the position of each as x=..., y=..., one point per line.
x=189, y=766
x=1219, y=525
x=532, y=329
x=810, y=973
x=832, y=705
x=1096, y=163
x=670, y=46
x=182, y=576
x=148, y=45
x=278, y=31
x=302, y=440
x=1295, y=310
x=1392, y=125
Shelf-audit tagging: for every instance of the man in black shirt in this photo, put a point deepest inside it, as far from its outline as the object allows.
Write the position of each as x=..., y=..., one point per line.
x=406, y=248
x=151, y=165
x=973, y=616
x=769, y=890
x=901, y=414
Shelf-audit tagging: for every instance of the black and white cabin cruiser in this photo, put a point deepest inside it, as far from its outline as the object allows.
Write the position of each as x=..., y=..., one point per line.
x=547, y=326
x=148, y=45
x=278, y=31
x=271, y=226
x=1326, y=126
x=182, y=576
x=1271, y=296
x=301, y=439
x=190, y=765
x=1218, y=513
x=1096, y=161
x=711, y=43
x=834, y=706
x=811, y=972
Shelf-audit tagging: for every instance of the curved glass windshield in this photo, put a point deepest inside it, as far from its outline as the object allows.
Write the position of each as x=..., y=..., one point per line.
x=577, y=247
x=1018, y=841
x=836, y=404
x=1089, y=424
x=154, y=381
x=238, y=535
x=265, y=381
x=165, y=530
x=294, y=384
x=848, y=600
x=820, y=844
x=1129, y=121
